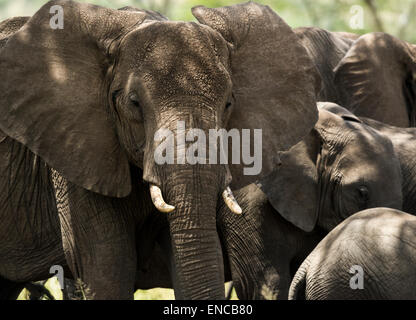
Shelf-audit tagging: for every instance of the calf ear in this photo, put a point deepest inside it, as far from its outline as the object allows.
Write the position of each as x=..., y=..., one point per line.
x=376, y=79
x=338, y=110
x=292, y=188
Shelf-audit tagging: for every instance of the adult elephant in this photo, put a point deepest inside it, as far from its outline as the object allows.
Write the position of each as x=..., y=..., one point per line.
x=370, y=256
x=340, y=168
x=373, y=75
x=80, y=109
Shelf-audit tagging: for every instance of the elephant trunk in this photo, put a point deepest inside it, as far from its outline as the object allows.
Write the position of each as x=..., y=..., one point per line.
x=297, y=289
x=187, y=190
x=197, y=254
x=253, y=267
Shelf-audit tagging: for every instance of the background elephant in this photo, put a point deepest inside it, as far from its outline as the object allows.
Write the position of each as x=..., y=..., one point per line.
x=86, y=100
x=380, y=241
x=373, y=75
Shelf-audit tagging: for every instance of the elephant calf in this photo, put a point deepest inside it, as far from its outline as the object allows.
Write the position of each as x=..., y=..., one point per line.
x=371, y=255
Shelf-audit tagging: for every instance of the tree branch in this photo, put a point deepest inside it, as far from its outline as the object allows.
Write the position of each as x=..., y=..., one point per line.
x=374, y=12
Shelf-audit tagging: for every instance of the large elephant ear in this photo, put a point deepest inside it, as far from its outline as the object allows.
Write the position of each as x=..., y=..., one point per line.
x=292, y=188
x=53, y=93
x=274, y=80
x=9, y=27
x=377, y=79
x=297, y=188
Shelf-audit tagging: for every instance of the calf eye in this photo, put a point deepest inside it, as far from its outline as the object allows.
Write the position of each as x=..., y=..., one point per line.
x=228, y=105
x=363, y=193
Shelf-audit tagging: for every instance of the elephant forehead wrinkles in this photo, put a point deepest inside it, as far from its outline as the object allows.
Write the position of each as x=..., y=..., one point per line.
x=181, y=59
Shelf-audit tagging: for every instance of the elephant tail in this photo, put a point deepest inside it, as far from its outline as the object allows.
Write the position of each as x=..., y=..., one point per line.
x=297, y=290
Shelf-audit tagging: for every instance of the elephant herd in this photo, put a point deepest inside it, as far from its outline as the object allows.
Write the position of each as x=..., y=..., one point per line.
x=80, y=186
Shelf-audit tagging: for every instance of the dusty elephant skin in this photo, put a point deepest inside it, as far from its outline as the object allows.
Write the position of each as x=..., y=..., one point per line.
x=281, y=229
x=403, y=141
x=380, y=242
x=340, y=168
x=86, y=100
x=373, y=75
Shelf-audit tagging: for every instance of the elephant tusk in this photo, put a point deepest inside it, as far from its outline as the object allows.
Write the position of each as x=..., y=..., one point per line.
x=157, y=199
x=230, y=201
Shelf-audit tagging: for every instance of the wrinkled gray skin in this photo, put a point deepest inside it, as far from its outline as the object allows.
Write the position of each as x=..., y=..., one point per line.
x=342, y=167
x=404, y=144
x=264, y=248
x=381, y=241
x=373, y=75
x=87, y=100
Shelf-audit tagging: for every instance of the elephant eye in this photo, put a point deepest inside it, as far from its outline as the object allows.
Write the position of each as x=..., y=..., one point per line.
x=229, y=103
x=134, y=99
x=363, y=193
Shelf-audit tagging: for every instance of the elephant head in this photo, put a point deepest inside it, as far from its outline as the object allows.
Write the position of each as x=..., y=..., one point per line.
x=372, y=75
x=342, y=167
x=91, y=97
x=377, y=79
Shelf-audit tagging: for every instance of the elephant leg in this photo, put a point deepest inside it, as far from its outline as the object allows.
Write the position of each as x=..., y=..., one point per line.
x=98, y=235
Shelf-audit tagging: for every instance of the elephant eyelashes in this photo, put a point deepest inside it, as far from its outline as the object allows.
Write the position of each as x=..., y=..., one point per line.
x=134, y=99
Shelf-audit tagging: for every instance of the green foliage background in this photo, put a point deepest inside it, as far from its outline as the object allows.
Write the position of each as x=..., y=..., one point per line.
x=392, y=16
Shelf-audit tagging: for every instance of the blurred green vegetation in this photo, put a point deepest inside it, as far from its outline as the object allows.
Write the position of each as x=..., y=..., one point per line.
x=392, y=16
x=153, y=294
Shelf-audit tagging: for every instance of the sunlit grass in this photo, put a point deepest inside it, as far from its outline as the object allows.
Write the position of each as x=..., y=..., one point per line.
x=153, y=294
